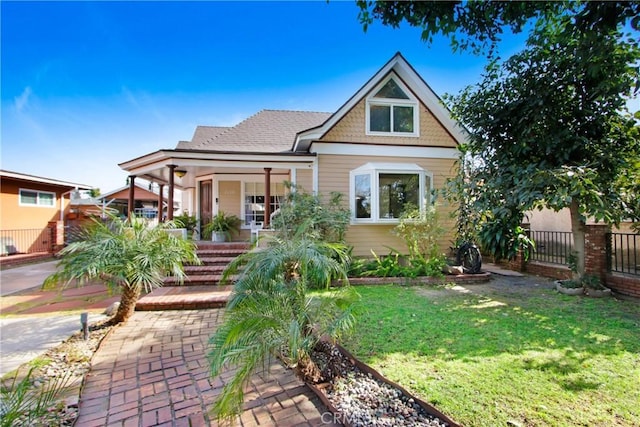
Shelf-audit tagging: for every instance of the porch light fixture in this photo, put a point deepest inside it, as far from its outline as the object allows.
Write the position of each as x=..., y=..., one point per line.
x=180, y=173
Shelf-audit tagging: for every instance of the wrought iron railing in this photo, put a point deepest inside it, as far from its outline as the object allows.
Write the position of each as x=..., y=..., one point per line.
x=624, y=253
x=552, y=247
x=26, y=241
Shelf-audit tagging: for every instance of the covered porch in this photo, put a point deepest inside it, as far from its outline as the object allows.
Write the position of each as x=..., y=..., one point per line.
x=248, y=185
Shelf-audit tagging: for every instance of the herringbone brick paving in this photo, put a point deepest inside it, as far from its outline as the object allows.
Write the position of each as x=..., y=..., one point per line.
x=153, y=371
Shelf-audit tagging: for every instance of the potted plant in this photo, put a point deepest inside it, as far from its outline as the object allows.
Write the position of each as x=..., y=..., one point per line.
x=569, y=287
x=190, y=222
x=222, y=226
x=593, y=287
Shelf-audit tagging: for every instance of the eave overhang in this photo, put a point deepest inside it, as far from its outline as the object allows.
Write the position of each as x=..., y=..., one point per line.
x=153, y=165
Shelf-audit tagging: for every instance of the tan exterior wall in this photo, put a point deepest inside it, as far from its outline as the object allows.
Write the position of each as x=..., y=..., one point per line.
x=352, y=129
x=304, y=179
x=16, y=217
x=229, y=197
x=13, y=216
x=334, y=176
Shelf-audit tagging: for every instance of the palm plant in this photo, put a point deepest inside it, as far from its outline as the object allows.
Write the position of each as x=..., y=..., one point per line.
x=272, y=312
x=21, y=403
x=128, y=255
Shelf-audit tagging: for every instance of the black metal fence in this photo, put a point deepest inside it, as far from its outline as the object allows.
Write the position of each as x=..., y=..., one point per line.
x=552, y=247
x=624, y=253
x=26, y=241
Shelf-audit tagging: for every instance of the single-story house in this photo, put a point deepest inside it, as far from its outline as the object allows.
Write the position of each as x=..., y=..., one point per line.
x=33, y=210
x=115, y=202
x=389, y=144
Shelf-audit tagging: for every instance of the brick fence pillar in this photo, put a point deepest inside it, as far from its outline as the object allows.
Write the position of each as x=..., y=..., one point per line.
x=57, y=236
x=595, y=250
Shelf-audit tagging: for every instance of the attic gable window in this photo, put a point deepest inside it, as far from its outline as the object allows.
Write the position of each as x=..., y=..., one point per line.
x=391, y=111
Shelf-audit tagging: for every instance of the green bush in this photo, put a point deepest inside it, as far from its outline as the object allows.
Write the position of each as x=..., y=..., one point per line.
x=309, y=215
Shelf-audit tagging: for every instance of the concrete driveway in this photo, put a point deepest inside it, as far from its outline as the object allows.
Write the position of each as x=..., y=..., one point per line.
x=24, y=337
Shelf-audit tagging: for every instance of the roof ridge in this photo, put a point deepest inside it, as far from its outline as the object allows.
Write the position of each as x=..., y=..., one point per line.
x=294, y=111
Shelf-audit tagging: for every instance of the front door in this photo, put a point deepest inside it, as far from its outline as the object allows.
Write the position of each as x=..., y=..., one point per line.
x=206, y=203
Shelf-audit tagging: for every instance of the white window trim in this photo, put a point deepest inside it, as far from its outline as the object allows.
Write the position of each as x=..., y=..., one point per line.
x=374, y=170
x=391, y=102
x=37, y=204
x=243, y=211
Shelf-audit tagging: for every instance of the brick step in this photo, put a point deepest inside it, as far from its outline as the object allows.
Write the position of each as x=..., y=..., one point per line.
x=218, y=260
x=204, y=253
x=197, y=280
x=184, y=298
x=224, y=246
x=195, y=270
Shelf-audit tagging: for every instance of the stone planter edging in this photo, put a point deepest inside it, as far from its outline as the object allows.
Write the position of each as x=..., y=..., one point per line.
x=568, y=291
x=424, y=280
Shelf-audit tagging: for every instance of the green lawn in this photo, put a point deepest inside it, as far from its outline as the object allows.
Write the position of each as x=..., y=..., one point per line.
x=506, y=354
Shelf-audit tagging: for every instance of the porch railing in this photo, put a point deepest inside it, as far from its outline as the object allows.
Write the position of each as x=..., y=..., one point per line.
x=553, y=247
x=26, y=241
x=624, y=253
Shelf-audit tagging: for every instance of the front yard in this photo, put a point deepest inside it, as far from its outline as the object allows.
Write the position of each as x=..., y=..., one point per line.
x=511, y=352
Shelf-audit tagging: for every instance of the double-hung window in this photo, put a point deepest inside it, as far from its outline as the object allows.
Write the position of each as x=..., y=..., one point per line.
x=37, y=198
x=254, y=200
x=391, y=111
x=382, y=192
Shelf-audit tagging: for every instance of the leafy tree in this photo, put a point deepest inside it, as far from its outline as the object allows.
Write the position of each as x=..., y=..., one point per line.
x=549, y=126
x=129, y=255
x=479, y=25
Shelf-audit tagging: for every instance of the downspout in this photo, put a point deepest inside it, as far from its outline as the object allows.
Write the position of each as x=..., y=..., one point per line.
x=315, y=185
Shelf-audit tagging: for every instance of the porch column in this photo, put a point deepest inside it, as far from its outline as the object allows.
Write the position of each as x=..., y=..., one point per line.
x=131, y=202
x=267, y=196
x=160, y=202
x=172, y=169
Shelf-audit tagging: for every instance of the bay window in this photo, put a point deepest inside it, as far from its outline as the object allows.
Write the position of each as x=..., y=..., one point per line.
x=380, y=193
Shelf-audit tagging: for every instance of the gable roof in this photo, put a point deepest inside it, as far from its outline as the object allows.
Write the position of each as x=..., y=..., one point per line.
x=268, y=131
x=398, y=65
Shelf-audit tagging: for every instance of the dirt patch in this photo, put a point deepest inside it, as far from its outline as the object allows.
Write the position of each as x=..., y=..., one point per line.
x=498, y=285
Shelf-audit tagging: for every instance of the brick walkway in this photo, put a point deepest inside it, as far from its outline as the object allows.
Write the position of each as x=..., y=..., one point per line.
x=153, y=371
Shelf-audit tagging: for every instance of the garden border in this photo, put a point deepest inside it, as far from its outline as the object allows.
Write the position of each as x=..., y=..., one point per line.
x=344, y=418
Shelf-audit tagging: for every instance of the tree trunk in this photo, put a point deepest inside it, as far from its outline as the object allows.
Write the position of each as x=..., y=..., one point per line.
x=578, y=230
x=127, y=306
x=308, y=370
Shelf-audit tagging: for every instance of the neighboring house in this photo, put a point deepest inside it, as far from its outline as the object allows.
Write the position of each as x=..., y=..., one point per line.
x=548, y=220
x=390, y=144
x=146, y=202
x=32, y=212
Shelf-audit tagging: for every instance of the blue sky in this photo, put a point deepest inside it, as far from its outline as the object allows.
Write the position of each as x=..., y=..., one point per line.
x=87, y=85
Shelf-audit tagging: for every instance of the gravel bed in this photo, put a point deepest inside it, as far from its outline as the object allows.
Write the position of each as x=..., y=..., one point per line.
x=363, y=400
